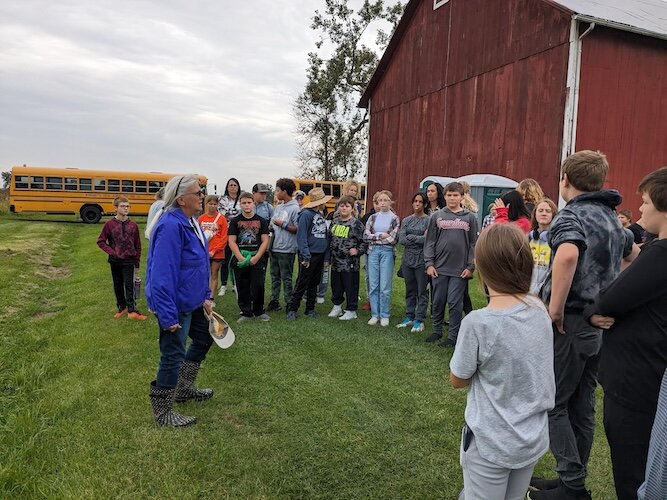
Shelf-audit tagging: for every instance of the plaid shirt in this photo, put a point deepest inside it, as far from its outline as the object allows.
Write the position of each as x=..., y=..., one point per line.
x=373, y=238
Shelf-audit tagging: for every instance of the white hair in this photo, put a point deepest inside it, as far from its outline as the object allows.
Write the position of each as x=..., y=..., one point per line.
x=175, y=188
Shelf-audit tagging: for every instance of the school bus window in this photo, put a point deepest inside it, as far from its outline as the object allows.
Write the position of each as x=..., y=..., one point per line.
x=37, y=182
x=140, y=186
x=70, y=184
x=54, y=183
x=306, y=187
x=128, y=186
x=154, y=186
x=336, y=190
x=21, y=182
x=326, y=188
x=114, y=185
x=100, y=184
x=85, y=184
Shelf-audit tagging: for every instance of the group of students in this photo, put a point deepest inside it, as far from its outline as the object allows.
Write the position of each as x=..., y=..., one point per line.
x=530, y=357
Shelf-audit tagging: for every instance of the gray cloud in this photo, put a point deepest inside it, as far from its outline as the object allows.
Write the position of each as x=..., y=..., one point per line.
x=202, y=86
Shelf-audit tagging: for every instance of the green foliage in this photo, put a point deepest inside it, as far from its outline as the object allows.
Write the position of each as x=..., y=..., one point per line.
x=6, y=179
x=332, y=131
x=312, y=408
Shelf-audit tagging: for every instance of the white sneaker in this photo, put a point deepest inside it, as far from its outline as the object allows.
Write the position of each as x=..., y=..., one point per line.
x=336, y=311
x=320, y=300
x=223, y=291
x=347, y=315
x=373, y=321
x=384, y=322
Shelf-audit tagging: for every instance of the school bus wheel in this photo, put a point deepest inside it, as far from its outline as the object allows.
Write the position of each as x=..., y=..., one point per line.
x=91, y=214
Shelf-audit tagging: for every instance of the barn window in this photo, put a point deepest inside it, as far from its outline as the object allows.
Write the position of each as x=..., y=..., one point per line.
x=439, y=3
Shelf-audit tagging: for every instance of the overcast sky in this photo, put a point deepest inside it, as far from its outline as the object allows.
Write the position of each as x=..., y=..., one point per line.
x=199, y=86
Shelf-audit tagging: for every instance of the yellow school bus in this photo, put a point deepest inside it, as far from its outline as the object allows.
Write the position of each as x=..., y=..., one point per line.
x=87, y=193
x=333, y=188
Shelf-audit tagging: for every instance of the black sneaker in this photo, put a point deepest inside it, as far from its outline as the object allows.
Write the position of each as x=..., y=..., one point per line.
x=447, y=343
x=541, y=483
x=561, y=492
x=291, y=315
x=433, y=337
x=274, y=305
x=312, y=314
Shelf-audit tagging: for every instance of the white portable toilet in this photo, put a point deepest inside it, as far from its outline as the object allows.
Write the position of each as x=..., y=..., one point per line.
x=427, y=181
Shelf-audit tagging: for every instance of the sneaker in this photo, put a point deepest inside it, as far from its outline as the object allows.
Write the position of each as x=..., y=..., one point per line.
x=540, y=483
x=136, y=315
x=561, y=492
x=433, y=337
x=447, y=343
x=274, y=305
x=348, y=315
x=373, y=321
x=311, y=314
x=243, y=318
x=234, y=288
x=336, y=311
x=320, y=300
x=406, y=322
x=366, y=306
x=417, y=327
x=384, y=322
x=264, y=317
x=120, y=313
x=291, y=315
x=222, y=291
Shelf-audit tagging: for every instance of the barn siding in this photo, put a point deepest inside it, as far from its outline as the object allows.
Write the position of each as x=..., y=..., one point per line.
x=623, y=106
x=496, y=107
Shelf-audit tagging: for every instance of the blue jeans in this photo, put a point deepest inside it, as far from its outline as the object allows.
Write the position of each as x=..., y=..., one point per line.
x=380, y=274
x=172, y=346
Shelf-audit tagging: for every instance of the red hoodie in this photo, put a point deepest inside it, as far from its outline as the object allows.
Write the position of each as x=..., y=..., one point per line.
x=218, y=243
x=501, y=218
x=120, y=239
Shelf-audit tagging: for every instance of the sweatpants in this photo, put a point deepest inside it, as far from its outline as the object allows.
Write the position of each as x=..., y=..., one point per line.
x=282, y=267
x=122, y=274
x=306, y=283
x=250, y=288
x=628, y=433
x=345, y=284
x=572, y=420
x=447, y=290
x=484, y=480
x=416, y=292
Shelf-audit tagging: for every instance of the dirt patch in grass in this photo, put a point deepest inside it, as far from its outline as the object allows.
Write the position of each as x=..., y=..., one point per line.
x=8, y=312
x=42, y=315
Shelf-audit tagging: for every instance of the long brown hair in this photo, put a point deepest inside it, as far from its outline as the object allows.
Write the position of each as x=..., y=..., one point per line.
x=533, y=219
x=504, y=260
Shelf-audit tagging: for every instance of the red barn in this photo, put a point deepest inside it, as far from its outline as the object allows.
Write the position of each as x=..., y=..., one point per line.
x=511, y=87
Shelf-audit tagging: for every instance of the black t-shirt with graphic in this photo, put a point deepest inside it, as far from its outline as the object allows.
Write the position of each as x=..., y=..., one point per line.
x=248, y=231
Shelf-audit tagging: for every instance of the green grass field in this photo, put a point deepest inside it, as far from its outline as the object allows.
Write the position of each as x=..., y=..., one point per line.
x=313, y=408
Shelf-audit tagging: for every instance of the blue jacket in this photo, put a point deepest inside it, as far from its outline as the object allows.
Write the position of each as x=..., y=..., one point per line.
x=312, y=234
x=178, y=272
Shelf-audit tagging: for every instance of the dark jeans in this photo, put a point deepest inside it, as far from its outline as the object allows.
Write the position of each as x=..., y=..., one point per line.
x=250, y=288
x=306, y=283
x=172, y=346
x=224, y=268
x=467, y=301
x=572, y=420
x=416, y=292
x=123, y=284
x=282, y=267
x=447, y=290
x=345, y=283
x=628, y=433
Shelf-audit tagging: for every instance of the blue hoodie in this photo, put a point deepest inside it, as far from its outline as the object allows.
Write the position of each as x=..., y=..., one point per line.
x=178, y=272
x=312, y=234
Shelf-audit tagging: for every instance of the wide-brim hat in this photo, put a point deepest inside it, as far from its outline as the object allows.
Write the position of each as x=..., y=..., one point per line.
x=317, y=198
x=220, y=331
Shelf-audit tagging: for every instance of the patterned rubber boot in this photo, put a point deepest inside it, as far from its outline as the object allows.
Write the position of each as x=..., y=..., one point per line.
x=185, y=389
x=162, y=400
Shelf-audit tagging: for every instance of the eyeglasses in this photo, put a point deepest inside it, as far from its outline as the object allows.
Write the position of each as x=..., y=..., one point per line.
x=201, y=192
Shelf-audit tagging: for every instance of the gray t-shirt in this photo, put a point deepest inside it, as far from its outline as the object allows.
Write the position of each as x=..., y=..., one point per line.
x=509, y=355
x=283, y=240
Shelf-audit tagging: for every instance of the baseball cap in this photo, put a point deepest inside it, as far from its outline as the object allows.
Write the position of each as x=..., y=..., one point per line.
x=260, y=188
x=299, y=193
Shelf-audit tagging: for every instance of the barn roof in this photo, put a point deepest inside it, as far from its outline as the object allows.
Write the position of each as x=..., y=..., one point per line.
x=647, y=17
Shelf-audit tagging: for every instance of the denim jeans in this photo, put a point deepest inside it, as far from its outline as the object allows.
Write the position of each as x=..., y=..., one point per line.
x=380, y=275
x=172, y=346
x=416, y=293
x=282, y=268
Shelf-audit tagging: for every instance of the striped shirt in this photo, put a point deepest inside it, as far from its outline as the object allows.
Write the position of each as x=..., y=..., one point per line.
x=655, y=485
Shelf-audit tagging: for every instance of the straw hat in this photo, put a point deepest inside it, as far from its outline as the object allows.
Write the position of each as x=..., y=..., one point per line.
x=317, y=198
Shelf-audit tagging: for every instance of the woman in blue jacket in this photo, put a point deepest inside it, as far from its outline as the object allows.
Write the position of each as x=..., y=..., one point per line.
x=177, y=291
